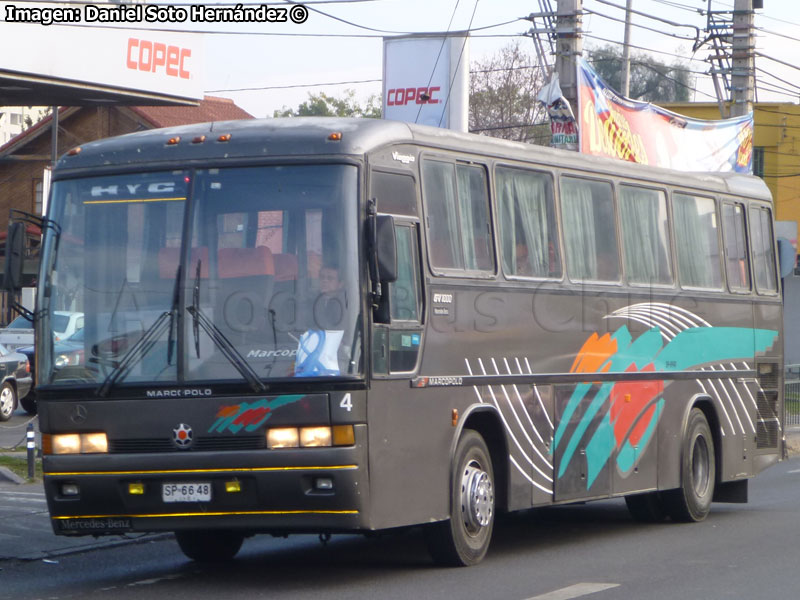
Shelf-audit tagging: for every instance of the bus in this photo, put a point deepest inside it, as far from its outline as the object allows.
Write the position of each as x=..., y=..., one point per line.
x=353, y=325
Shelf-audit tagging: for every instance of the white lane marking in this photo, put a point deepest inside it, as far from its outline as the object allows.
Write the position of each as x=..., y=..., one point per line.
x=575, y=591
x=155, y=580
x=792, y=472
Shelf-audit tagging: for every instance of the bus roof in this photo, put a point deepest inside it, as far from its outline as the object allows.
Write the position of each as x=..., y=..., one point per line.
x=309, y=136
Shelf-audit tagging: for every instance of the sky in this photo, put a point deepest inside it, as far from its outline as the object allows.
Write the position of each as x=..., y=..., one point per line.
x=270, y=61
x=265, y=67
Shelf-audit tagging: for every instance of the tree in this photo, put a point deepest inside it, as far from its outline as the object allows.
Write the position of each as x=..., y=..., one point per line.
x=323, y=105
x=651, y=80
x=502, y=96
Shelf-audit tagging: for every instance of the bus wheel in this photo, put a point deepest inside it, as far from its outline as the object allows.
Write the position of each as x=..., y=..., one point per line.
x=464, y=538
x=28, y=403
x=692, y=501
x=646, y=508
x=209, y=546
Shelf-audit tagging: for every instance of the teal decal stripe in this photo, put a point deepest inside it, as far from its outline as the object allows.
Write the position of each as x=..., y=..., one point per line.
x=577, y=395
x=689, y=349
x=703, y=345
x=598, y=450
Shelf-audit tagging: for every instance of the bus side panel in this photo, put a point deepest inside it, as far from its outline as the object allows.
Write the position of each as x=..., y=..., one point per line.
x=768, y=390
x=410, y=442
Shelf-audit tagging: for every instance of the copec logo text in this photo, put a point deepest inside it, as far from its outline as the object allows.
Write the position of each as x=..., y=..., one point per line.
x=157, y=57
x=412, y=95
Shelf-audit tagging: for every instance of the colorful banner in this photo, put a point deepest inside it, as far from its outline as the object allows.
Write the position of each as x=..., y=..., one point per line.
x=611, y=125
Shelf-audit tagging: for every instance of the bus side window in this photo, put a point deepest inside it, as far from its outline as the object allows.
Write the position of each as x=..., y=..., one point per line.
x=763, y=250
x=528, y=231
x=645, y=235
x=457, y=215
x=735, y=241
x=696, y=241
x=590, y=232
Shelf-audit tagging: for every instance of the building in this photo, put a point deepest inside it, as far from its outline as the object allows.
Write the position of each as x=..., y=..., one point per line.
x=14, y=119
x=24, y=158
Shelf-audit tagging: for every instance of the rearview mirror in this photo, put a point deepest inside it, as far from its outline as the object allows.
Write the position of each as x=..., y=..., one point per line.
x=386, y=249
x=15, y=254
x=786, y=257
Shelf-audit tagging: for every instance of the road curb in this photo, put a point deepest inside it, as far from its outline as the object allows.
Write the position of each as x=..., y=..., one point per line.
x=8, y=476
x=80, y=548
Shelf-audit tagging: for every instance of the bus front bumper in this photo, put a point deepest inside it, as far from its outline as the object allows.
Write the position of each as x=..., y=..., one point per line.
x=283, y=491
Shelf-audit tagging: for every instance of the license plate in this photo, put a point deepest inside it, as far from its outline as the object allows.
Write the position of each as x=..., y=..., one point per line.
x=186, y=492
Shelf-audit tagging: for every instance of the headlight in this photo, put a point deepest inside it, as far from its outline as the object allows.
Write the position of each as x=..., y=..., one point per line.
x=284, y=437
x=310, y=437
x=314, y=437
x=75, y=443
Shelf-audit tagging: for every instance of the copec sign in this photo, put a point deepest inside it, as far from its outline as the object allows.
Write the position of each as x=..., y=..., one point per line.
x=162, y=64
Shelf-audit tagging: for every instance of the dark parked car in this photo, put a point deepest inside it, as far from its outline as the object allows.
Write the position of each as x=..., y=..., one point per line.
x=15, y=374
x=66, y=352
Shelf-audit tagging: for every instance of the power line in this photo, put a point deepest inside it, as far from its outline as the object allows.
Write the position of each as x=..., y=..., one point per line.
x=674, y=35
x=283, y=34
x=296, y=85
x=649, y=16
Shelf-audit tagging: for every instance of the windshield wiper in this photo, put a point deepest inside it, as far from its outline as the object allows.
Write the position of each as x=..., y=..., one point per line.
x=219, y=339
x=145, y=343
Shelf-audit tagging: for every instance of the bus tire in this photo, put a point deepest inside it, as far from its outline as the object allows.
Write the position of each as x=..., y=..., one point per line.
x=691, y=502
x=463, y=539
x=28, y=403
x=209, y=546
x=646, y=508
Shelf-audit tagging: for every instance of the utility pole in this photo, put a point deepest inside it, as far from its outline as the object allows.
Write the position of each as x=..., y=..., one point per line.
x=569, y=47
x=743, y=63
x=626, y=52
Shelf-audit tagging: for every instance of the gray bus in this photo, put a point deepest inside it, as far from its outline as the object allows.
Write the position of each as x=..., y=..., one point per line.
x=327, y=325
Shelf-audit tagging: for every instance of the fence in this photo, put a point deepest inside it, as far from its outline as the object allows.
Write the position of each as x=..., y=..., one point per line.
x=791, y=402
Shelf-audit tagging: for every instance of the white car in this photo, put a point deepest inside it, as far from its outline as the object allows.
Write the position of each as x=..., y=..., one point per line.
x=20, y=331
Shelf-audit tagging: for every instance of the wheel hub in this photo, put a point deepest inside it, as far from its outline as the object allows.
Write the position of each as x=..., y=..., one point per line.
x=477, y=498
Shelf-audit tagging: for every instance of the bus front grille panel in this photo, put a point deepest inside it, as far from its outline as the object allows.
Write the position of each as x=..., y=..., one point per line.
x=207, y=444
x=767, y=428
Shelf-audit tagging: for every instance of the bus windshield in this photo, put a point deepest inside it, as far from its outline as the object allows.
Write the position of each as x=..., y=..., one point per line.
x=208, y=275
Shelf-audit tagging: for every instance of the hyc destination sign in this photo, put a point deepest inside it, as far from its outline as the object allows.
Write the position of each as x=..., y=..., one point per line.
x=150, y=13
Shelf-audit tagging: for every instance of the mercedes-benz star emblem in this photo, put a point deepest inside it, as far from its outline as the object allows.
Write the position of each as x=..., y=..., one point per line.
x=79, y=414
x=182, y=436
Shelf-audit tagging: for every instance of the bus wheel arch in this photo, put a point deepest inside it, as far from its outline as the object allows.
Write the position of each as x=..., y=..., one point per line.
x=487, y=423
x=464, y=538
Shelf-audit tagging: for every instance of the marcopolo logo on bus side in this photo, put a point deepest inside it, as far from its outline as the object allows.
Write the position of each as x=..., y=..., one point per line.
x=177, y=393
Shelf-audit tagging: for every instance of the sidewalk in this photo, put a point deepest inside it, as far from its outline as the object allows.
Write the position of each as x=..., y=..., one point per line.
x=26, y=534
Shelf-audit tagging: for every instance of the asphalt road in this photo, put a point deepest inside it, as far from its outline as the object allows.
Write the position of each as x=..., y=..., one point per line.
x=594, y=551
